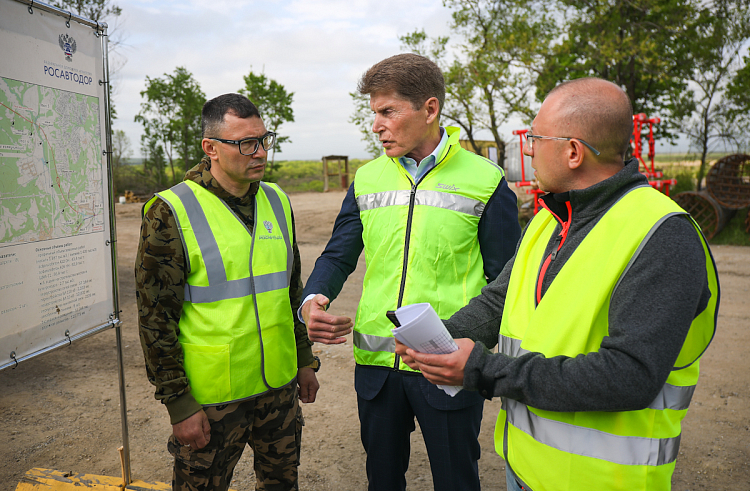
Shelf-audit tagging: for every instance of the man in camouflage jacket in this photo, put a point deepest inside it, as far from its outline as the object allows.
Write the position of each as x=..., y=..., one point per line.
x=207, y=441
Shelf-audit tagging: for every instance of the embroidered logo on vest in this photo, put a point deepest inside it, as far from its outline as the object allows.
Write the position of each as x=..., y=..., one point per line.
x=269, y=228
x=447, y=187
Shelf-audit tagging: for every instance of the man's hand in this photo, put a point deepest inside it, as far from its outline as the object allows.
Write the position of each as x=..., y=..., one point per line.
x=194, y=432
x=405, y=357
x=308, y=384
x=444, y=369
x=323, y=327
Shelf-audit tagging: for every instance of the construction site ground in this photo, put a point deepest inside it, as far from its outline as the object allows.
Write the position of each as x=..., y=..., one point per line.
x=61, y=410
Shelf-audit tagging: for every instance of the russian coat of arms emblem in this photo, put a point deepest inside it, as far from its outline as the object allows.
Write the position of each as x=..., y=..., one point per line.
x=68, y=45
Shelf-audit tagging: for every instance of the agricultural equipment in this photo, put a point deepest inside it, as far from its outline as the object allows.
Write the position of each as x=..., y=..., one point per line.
x=655, y=177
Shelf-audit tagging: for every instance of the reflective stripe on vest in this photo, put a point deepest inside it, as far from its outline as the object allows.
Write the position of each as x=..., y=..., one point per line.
x=420, y=241
x=626, y=450
x=220, y=288
x=601, y=449
x=370, y=342
x=669, y=397
x=437, y=199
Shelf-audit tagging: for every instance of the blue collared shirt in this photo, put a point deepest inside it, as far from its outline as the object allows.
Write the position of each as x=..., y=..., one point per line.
x=427, y=163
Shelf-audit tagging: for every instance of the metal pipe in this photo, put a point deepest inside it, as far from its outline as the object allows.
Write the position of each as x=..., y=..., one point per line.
x=113, y=251
x=33, y=4
x=60, y=344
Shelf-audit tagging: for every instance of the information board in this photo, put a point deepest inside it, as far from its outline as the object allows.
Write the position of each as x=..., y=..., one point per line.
x=56, y=272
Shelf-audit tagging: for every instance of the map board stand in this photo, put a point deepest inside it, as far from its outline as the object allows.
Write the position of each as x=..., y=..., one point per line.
x=58, y=258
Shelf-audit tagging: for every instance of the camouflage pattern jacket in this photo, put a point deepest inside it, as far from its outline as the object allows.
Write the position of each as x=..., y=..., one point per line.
x=160, y=277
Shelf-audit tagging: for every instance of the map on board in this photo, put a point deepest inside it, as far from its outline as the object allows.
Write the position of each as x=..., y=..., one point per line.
x=50, y=163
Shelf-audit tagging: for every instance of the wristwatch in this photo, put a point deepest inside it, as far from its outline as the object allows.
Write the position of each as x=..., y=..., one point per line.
x=315, y=365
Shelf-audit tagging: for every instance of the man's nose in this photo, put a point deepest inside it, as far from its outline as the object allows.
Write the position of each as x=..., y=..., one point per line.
x=261, y=153
x=377, y=125
x=527, y=149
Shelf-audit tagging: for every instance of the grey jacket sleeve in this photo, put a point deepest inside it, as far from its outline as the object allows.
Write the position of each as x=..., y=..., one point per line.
x=650, y=315
x=479, y=320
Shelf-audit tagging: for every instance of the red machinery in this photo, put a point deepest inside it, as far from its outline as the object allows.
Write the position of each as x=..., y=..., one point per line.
x=654, y=176
x=534, y=189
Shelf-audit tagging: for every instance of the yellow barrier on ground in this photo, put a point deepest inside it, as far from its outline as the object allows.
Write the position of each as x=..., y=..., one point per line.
x=38, y=479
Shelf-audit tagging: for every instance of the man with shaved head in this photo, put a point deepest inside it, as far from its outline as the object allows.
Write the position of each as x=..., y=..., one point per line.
x=603, y=313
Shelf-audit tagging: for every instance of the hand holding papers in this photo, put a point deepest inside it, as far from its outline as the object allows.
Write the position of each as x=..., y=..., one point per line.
x=422, y=330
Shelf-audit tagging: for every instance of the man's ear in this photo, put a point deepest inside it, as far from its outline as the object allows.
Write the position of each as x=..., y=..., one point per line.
x=574, y=150
x=432, y=108
x=209, y=147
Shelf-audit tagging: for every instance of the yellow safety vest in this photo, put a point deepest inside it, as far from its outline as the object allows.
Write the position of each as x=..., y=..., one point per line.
x=420, y=241
x=618, y=450
x=236, y=327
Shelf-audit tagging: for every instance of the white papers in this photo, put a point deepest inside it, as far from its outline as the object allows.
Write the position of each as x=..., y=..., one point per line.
x=422, y=330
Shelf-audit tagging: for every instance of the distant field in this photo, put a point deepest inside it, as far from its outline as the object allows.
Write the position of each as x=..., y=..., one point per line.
x=297, y=176
x=684, y=158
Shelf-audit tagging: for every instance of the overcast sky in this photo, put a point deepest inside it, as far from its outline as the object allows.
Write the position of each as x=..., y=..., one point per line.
x=317, y=49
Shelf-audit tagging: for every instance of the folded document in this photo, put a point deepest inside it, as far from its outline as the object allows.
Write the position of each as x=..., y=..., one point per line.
x=422, y=330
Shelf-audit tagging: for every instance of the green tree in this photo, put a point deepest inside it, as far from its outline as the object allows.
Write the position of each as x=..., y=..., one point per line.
x=171, y=114
x=490, y=77
x=714, y=96
x=121, y=150
x=96, y=10
x=154, y=162
x=643, y=46
x=274, y=104
x=363, y=118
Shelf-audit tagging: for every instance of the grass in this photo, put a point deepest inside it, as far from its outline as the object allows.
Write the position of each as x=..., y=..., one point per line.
x=299, y=176
x=734, y=231
x=685, y=175
x=669, y=158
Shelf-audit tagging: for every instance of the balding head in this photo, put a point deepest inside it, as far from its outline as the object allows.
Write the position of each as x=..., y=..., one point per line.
x=597, y=111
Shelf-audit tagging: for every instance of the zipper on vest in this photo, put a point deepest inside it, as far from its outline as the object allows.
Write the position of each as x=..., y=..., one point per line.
x=412, y=201
x=559, y=241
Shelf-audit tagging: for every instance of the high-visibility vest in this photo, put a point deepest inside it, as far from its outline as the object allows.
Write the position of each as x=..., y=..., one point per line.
x=602, y=450
x=420, y=241
x=236, y=327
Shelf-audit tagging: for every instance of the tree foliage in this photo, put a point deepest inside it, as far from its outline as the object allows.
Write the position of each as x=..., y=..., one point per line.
x=171, y=116
x=714, y=97
x=495, y=68
x=121, y=150
x=96, y=10
x=363, y=118
x=644, y=46
x=274, y=104
x=154, y=162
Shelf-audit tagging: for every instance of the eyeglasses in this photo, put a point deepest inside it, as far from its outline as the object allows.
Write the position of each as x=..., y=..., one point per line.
x=530, y=138
x=248, y=146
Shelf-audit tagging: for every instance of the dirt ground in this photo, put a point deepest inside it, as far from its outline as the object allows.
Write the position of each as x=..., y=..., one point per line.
x=61, y=410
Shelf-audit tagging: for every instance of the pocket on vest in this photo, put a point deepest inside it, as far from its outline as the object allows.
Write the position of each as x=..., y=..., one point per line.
x=207, y=369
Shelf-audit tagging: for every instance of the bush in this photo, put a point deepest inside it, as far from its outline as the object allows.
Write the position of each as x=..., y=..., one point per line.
x=316, y=185
x=298, y=176
x=685, y=176
x=132, y=178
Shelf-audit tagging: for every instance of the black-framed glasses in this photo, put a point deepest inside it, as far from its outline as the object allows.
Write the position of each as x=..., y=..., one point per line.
x=530, y=139
x=248, y=146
